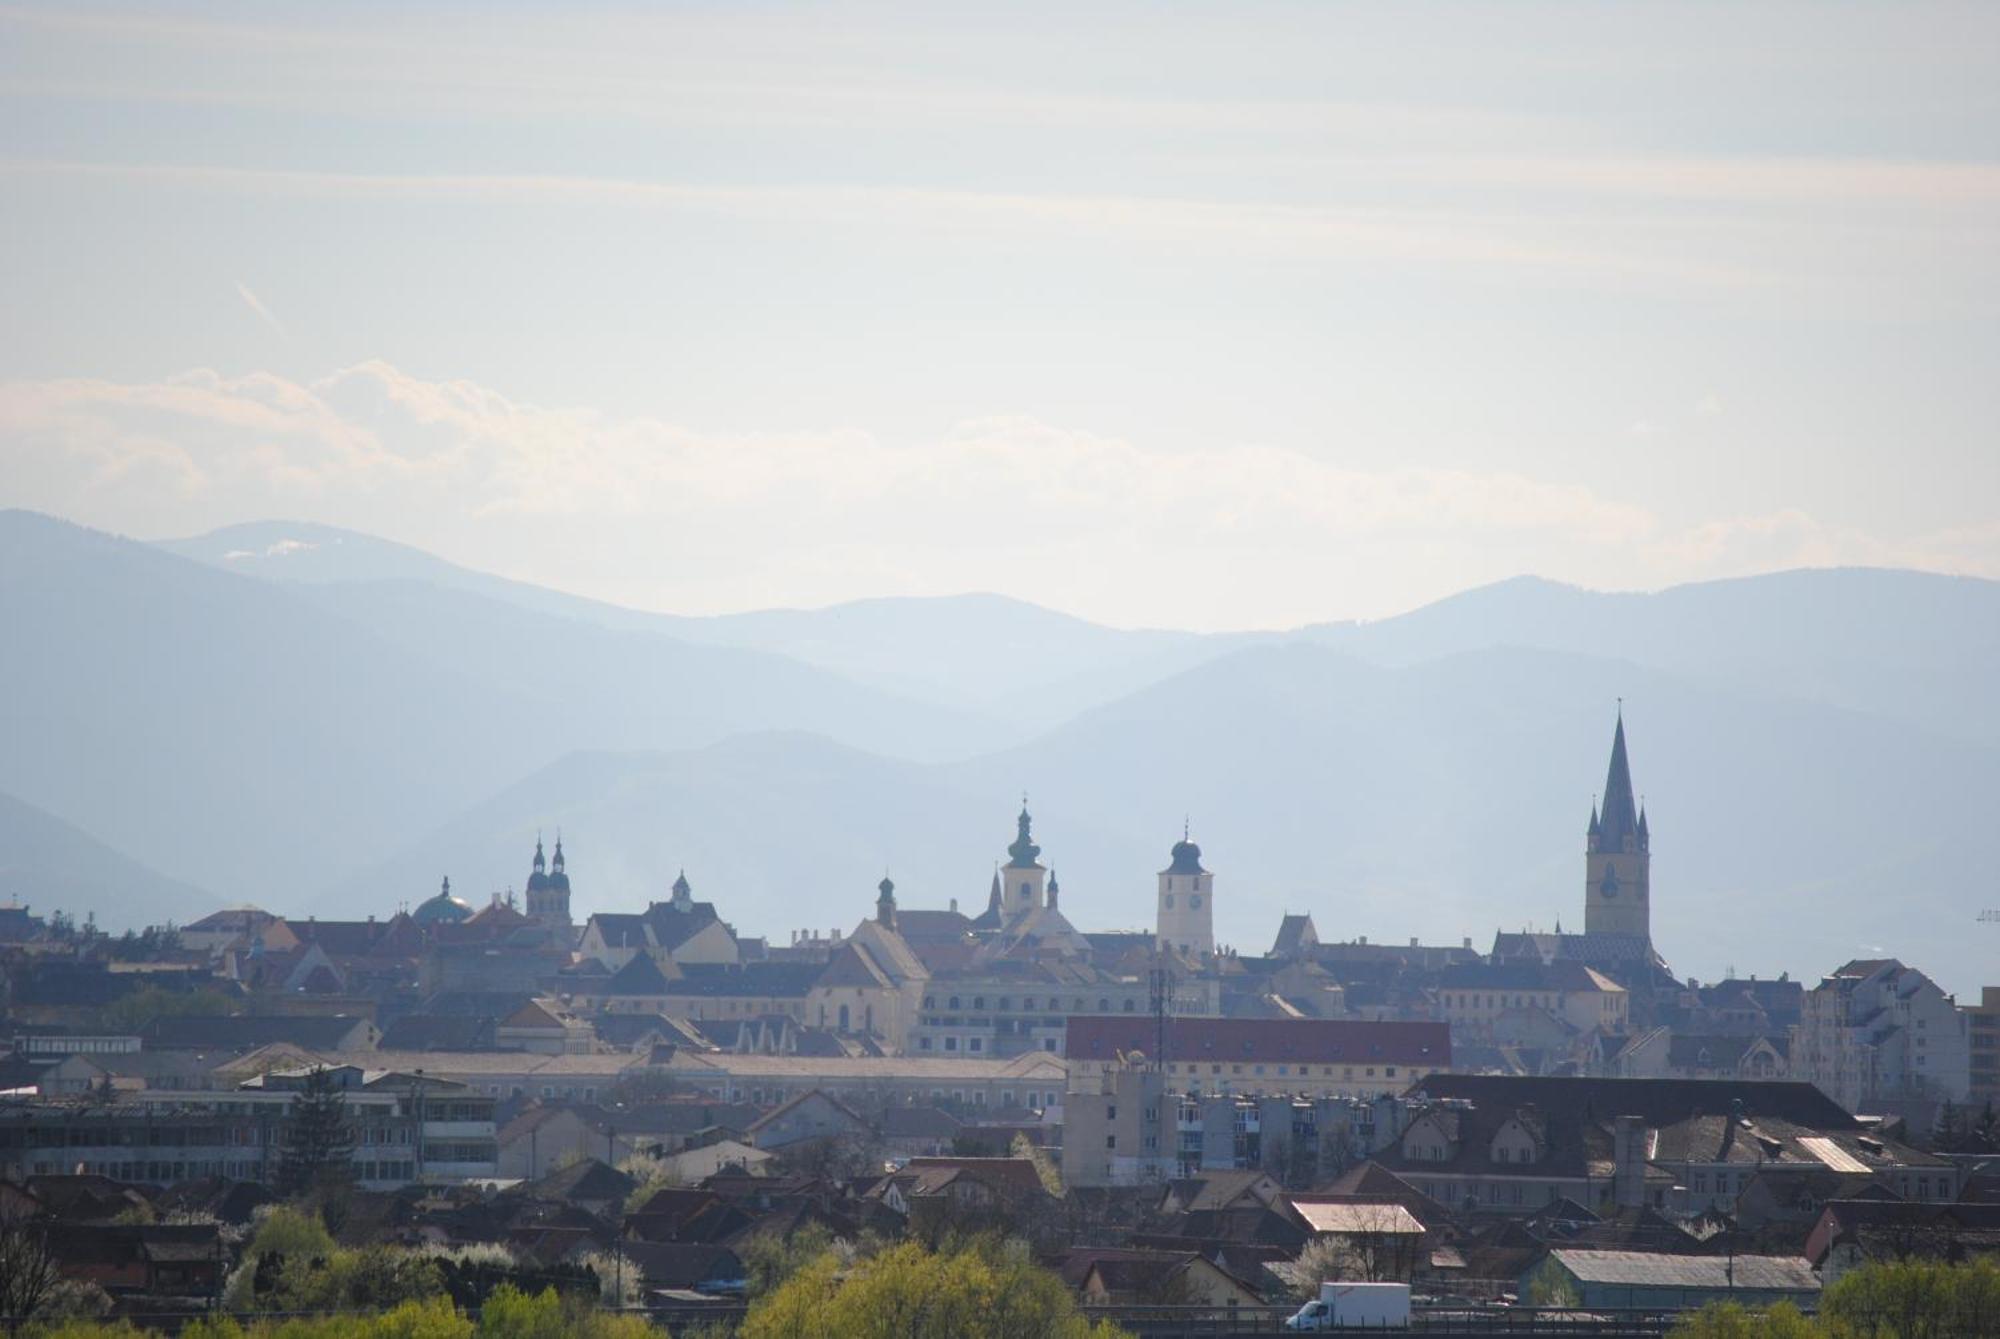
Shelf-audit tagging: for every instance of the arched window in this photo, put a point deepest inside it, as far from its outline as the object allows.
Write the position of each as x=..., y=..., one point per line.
x=954, y=1001
x=843, y=1018
x=979, y=1001
x=1104, y=1006
x=1128, y=1006
x=1027, y=890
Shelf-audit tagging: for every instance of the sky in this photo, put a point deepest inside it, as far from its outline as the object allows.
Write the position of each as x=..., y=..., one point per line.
x=1204, y=316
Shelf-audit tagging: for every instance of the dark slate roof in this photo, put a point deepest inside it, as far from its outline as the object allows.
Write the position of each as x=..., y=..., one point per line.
x=774, y=979
x=1699, y=1051
x=434, y=1032
x=1658, y=1101
x=1519, y=974
x=476, y=1003
x=586, y=1180
x=641, y=976
x=1292, y=934
x=1419, y=1045
x=1185, y=859
x=920, y=926
x=312, y=1032
x=673, y=927
x=679, y=1264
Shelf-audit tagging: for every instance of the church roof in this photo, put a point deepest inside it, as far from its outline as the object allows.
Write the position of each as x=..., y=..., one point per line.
x=1186, y=858
x=991, y=917
x=1618, y=816
x=1022, y=851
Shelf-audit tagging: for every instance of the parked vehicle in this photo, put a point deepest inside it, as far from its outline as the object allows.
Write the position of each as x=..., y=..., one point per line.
x=1345, y=1306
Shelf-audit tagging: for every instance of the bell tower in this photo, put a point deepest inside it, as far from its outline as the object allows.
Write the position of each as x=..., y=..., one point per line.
x=1617, y=881
x=1023, y=879
x=1186, y=917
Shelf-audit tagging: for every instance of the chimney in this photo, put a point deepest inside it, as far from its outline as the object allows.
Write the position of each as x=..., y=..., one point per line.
x=954, y=906
x=1468, y=941
x=1628, y=1156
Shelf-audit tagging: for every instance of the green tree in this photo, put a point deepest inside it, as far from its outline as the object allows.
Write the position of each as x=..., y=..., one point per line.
x=1915, y=1299
x=988, y=1291
x=1732, y=1320
x=319, y=1139
x=1550, y=1286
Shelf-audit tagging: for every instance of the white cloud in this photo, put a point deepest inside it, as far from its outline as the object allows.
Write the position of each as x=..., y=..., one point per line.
x=651, y=513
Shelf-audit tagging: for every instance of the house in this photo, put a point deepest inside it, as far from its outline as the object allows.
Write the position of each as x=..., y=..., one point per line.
x=1499, y=1144
x=1649, y=1281
x=590, y=1185
x=177, y=1259
x=689, y=1266
x=1856, y=1232
x=1380, y=1238
x=810, y=1116
x=1164, y=1278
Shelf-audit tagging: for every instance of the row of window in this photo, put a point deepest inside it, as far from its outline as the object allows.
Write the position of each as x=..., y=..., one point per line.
x=1031, y=1004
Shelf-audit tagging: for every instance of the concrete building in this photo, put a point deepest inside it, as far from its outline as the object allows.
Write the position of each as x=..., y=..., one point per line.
x=407, y=1129
x=1279, y=1057
x=1482, y=1001
x=1982, y=1022
x=1876, y=1032
x=1033, y=1082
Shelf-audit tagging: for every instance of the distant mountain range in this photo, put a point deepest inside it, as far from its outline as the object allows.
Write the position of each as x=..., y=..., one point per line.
x=317, y=720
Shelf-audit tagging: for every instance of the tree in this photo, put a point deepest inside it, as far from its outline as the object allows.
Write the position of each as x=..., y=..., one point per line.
x=319, y=1139
x=1551, y=1287
x=987, y=1291
x=1731, y=1320
x=28, y=1269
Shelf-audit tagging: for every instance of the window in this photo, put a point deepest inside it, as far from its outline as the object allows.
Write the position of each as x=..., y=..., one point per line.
x=1128, y=1006
x=1194, y=903
x=1111, y=1113
x=954, y=1001
x=979, y=1001
x=951, y=1043
x=1111, y=1141
x=923, y=1043
x=977, y=1044
x=1168, y=901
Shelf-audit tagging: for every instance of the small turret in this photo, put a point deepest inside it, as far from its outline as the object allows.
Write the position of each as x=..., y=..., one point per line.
x=683, y=894
x=885, y=903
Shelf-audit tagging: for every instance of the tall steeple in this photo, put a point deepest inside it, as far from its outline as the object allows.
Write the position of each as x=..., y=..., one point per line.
x=1619, y=816
x=1617, y=861
x=885, y=903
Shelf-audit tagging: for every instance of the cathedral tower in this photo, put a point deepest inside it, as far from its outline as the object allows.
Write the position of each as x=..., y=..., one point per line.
x=1187, y=902
x=1024, y=880
x=1617, y=886
x=548, y=890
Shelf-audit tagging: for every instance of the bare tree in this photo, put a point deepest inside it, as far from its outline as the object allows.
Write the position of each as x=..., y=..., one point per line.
x=29, y=1272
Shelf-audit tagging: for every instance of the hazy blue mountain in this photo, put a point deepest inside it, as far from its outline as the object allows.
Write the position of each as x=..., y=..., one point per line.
x=1444, y=799
x=48, y=865
x=262, y=738
x=1910, y=645
x=986, y=654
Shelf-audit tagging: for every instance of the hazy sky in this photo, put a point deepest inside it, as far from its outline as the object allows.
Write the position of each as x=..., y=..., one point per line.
x=1206, y=316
